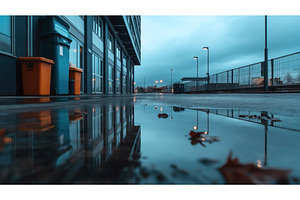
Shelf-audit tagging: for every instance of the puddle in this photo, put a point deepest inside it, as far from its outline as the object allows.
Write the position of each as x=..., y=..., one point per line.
x=263, y=146
x=123, y=142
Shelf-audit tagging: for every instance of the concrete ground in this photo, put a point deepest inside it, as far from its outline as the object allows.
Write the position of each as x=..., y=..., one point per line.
x=287, y=104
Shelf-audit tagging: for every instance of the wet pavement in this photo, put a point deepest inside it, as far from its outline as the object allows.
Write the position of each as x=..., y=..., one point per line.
x=143, y=140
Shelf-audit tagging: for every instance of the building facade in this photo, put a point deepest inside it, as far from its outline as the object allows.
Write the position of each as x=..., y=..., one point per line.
x=106, y=48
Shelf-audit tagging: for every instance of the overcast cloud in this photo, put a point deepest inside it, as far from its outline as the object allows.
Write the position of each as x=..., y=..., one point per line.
x=234, y=41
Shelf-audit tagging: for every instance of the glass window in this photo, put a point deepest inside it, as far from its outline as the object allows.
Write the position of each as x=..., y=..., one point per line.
x=118, y=52
x=93, y=62
x=96, y=26
x=5, y=34
x=94, y=23
x=97, y=73
x=96, y=65
x=110, y=71
x=118, y=75
x=99, y=28
x=80, y=62
x=110, y=42
x=101, y=67
x=73, y=53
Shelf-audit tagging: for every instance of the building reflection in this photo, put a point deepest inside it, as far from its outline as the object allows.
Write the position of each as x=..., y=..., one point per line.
x=66, y=145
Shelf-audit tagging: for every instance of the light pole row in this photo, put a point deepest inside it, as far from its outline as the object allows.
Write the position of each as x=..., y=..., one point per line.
x=196, y=58
x=207, y=73
x=171, y=82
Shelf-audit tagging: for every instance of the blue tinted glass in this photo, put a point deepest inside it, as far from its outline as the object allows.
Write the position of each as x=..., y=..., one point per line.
x=73, y=53
x=5, y=33
x=5, y=25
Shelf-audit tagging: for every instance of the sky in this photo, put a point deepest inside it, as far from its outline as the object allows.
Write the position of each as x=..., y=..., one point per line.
x=171, y=41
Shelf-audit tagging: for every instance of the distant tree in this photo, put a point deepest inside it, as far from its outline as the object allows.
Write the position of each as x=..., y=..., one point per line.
x=289, y=78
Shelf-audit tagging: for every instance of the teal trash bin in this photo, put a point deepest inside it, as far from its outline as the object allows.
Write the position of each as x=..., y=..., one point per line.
x=55, y=43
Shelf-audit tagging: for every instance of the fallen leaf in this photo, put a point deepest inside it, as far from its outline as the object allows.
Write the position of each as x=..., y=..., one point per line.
x=194, y=134
x=162, y=115
x=236, y=173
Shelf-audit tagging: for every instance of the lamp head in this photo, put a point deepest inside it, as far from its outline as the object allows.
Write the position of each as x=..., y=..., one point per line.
x=205, y=48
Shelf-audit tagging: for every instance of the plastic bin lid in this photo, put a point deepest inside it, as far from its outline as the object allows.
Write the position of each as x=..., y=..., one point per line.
x=75, y=69
x=36, y=59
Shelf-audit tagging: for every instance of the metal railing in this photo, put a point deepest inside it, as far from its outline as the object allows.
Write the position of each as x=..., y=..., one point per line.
x=282, y=71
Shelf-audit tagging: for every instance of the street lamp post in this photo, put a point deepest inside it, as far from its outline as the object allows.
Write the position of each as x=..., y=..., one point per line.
x=161, y=86
x=206, y=48
x=171, y=82
x=266, y=58
x=196, y=58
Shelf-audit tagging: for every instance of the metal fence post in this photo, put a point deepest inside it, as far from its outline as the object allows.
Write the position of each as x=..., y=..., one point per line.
x=239, y=76
x=217, y=87
x=249, y=76
x=227, y=79
x=232, y=78
x=272, y=71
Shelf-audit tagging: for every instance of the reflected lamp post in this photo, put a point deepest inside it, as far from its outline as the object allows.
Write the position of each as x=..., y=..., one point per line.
x=206, y=48
x=161, y=86
x=207, y=113
x=171, y=82
x=196, y=127
x=196, y=58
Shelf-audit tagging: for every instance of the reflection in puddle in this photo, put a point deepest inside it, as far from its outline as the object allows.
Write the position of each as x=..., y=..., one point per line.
x=201, y=137
x=148, y=144
x=39, y=121
x=266, y=142
x=77, y=145
x=162, y=115
x=236, y=173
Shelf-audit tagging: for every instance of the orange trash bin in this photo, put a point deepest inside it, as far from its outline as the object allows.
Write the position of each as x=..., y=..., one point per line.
x=36, y=74
x=75, y=74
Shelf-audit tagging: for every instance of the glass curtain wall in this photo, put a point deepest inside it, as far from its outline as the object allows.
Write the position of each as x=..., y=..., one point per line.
x=110, y=66
x=6, y=34
x=118, y=72
x=124, y=75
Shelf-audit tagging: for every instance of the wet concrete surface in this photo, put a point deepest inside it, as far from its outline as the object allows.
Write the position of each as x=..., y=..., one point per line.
x=277, y=103
x=147, y=139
